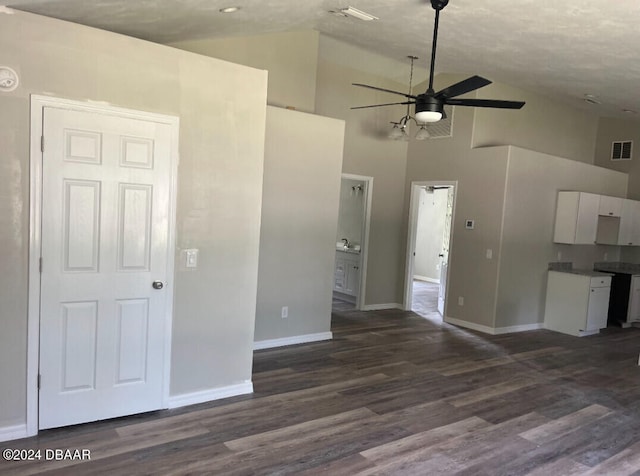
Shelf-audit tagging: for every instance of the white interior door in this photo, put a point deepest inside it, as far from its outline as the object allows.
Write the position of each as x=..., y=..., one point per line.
x=105, y=231
x=446, y=243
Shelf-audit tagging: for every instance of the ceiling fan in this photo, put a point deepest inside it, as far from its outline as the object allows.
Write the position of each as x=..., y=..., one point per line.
x=429, y=106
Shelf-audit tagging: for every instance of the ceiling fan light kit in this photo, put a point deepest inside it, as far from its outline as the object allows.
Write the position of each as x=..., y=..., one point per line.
x=429, y=106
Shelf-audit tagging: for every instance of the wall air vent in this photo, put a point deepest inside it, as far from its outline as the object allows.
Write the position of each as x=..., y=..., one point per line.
x=622, y=150
x=444, y=127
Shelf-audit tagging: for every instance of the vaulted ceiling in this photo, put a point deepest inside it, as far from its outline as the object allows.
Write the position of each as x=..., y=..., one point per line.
x=563, y=49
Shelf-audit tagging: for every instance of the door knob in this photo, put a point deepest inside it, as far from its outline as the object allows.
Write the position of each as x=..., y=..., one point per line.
x=157, y=285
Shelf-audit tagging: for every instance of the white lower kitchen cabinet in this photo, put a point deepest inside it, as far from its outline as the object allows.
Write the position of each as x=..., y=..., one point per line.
x=577, y=303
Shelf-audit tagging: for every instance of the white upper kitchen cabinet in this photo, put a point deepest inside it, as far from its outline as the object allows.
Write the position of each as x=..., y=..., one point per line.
x=610, y=206
x=576, y=218
x=629, y=231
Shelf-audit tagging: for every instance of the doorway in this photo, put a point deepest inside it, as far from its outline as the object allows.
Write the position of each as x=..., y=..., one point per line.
x=430, y=225
x=352, y=242
x=101, y=261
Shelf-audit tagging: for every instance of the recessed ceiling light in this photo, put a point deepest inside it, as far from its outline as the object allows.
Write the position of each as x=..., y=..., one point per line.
x=229, y=9
x=591, y=99
x=630, y=111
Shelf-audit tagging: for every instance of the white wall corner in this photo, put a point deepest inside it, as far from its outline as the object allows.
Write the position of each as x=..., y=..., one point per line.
x=14, y=432
x=202, y=396
x=284, y=341
x=382, y=307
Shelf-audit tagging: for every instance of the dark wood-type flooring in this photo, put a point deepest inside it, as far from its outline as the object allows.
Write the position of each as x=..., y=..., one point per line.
x=393, y=393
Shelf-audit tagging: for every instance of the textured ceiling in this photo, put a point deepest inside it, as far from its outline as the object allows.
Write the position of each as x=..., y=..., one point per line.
x=563, y=49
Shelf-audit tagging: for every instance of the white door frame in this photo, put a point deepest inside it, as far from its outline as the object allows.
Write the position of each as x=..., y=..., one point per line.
x=35, y=235
x=412, y=233
x=366, y=226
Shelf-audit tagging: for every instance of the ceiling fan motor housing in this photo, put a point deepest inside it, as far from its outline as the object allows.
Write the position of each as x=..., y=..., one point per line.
x=426, y=102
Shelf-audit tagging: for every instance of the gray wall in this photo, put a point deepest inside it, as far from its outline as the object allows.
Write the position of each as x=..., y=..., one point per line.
x=368, y=152
x=303, y=162
x=481, y=176
x=533, y=181
x=429, y=234
x=543, y=124
x=291, y=59
x=219, y=183
x=609, y=130
x=327, y=68
x=351, y=213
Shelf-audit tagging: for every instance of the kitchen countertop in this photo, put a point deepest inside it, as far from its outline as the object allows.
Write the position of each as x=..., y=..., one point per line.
x=583, y=272
x=617, y=268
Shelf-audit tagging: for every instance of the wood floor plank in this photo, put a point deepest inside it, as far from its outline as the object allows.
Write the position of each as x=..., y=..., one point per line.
x=295, y=432
x=562, y=466
x=625, y=462
x=492, y=391
x=423, y=440
x=562, y=426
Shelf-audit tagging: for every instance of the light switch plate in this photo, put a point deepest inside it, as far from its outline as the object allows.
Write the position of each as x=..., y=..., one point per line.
x=191, y=258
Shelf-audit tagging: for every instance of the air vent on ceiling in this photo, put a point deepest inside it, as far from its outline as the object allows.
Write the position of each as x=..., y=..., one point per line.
x=444, y=127
x=621, y=150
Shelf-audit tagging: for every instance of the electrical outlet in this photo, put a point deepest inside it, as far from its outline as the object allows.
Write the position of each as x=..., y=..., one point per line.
x=559, y=255
x=460, y=301
x=606, y=256
x=489, y=253
x=285, y=312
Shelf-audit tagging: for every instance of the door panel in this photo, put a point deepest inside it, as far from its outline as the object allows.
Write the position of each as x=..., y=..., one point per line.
x=105, y=230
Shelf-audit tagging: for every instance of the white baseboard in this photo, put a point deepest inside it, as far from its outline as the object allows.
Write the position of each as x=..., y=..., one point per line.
x=470, y=325
x=521, y=328
x=493, y=330
x=176, y=401
x=417, y=277
x=302, y=339
x=15, y=432
x=381, y=307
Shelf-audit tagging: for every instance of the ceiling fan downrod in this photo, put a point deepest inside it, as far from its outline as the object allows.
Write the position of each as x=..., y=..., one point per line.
x=437, y=6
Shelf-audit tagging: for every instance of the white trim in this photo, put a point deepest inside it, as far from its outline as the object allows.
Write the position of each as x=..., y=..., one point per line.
x=202, y=396
x=16, y=432
x=412, y=232
x=493, y=330
x=283, y=341
x=426, y=279
x=38, y=103
x=366, y=227
x=470, y=325
x=382, y=307
x=520, y=328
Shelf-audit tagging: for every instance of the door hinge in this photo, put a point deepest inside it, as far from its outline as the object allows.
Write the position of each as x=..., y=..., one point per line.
x=40, y=265
x=41, y=143
x=39, y=380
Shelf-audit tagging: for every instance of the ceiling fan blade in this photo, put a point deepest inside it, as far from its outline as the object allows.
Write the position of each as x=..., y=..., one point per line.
x=384, y=90
x=388, y=104
x=464, y=86
x=485, y=103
